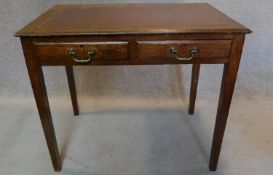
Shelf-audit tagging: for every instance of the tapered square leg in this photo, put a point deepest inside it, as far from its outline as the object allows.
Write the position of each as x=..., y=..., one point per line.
x=194, y=85
x=72, y=89
x=39, y=90
x=227, y=88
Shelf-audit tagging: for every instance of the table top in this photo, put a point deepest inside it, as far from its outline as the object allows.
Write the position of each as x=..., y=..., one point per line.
x=90, y=19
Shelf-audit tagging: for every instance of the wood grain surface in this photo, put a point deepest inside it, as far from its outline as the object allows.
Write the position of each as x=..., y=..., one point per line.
x=83, y=19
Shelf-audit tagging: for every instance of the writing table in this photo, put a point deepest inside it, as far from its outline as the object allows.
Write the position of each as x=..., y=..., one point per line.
x=132, y=34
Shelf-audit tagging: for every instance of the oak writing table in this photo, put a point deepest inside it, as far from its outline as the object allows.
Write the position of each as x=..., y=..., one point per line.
x=132, y=34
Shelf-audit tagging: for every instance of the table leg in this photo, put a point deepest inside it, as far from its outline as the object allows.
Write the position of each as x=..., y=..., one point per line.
x=227, y=87
x=194, y=84
x=39, y=91
x=72, y=89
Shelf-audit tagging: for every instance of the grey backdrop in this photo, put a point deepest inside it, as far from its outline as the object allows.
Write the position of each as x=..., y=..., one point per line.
x=254, y=80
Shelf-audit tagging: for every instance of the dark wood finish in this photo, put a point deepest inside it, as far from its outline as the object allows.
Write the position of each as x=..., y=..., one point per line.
x=131, y=18
x=194, y=85
x=39, y=90
x=161, y=49
x=112, y=50
x=227, y=87
x=132, y=37
x=147, y=52
x=132, y=34
x=72, y=89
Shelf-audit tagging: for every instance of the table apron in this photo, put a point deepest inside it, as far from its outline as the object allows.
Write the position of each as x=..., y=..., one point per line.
x=143, y=51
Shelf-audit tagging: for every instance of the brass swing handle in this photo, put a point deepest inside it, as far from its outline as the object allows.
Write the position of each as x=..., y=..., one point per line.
x=91, y=54
x=174, y=52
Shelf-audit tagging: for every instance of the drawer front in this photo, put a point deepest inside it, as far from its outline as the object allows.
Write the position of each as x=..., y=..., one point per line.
x=132, y=51
x=101, y=52
x=206, y=49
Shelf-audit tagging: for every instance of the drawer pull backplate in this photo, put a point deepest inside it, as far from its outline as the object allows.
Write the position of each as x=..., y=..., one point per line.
x=91, y=54
x=174, y=52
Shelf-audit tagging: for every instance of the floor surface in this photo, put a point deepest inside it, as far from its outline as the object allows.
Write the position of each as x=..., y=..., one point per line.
x=130, y=136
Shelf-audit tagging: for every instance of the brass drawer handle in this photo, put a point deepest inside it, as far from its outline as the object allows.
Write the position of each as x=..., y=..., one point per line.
x=174, y=52
x=91, y=54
